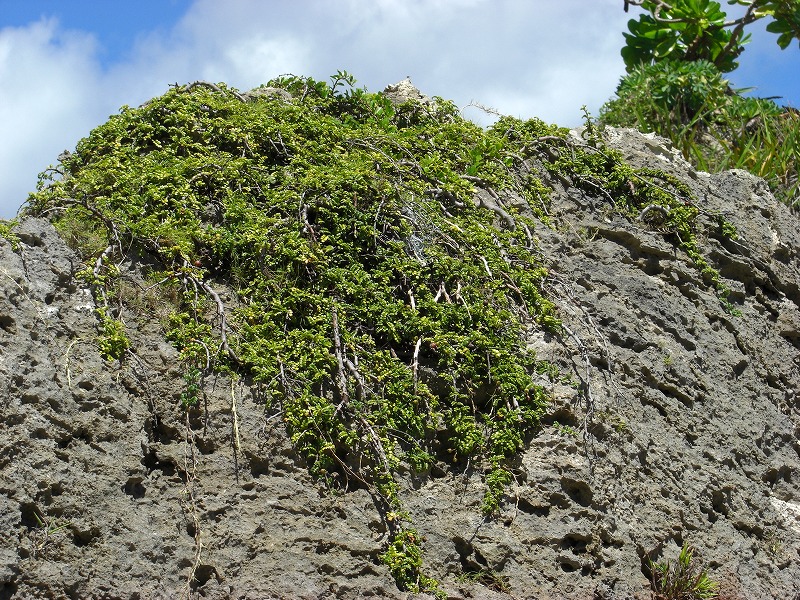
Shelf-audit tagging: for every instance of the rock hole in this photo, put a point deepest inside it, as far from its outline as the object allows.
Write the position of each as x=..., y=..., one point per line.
x=8, y=590
x=599, y=362
x=480, y=559
x=48, y=492
x=83, y=434
x=472, y=561
x=567, y=565
x=34, y=239
x=30, y=515
x=40, y=433
x=258, y=466
x=609, y=541
x=564, y=416
x=740, y=367
x=532, y=509
x=463, y=547
x=652, y=266
x=165, y=431
x=15, y=419
x=558, y=500
x=151, y=463
x=205, y=445
x=81, y=538
x=719, y=501
x=650, y=402
x=772, y=476
x=86, y=384
x=134, y=488
x=323, y=547
x=29, y=398
x=438, y=470
x=202, y=574
x=8, y=324
x=794, y=340
x=578, y=491
x=710, y=514
x=575, y=542
x=48, y=299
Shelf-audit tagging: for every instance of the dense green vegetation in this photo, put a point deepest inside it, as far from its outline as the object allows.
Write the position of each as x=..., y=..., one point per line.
x=379, y=308
x=330, y=245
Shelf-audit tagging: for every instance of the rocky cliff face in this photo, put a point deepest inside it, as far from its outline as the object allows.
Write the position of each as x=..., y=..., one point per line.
x=678, y=423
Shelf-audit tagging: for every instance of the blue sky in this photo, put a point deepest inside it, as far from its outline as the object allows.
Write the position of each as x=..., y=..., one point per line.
x=66, y=65
x=116, y=24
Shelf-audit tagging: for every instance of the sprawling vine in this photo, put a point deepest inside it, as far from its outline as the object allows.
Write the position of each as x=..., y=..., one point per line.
x=381, y=309
x=383, y=276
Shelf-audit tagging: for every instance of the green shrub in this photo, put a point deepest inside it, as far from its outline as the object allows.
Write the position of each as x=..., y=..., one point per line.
x=346, y=228
x=7, y=232
x=714, y=127
x=666, y=95
x=683, y=579
x=113, y=341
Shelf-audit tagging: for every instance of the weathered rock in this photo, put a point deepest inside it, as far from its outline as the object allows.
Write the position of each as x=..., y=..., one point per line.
x=268, y=92
x=404, y=91
x=683, y=429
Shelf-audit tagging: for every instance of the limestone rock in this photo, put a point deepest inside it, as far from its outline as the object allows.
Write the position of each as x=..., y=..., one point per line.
x=681, y=426
x=403, y=91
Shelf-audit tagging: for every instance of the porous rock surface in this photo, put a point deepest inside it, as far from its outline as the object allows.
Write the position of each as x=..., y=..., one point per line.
x=677, y=422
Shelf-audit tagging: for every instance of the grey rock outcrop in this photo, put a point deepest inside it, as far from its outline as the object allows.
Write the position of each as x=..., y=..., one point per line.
x=405, y=91
x=679, y=423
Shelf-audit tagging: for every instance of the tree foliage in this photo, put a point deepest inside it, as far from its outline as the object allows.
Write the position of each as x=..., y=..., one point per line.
x=676, y=55
x=692, y=30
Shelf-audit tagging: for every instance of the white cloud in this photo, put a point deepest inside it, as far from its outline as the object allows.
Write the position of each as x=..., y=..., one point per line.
x=48, y=81
x=543, y=58
x=256, y=59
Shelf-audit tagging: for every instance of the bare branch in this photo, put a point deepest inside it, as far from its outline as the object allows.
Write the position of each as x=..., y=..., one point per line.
x=213, y=87
x=653, y=208
x=442, y=292
x=361, y=385
x=415, y=362
x=223, y=325
x=341, y=378
x=236, y=443
x=98, y=264
x=496, y=206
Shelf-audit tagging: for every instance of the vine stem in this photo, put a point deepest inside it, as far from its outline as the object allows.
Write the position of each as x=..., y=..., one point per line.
x=236, y=442
x=366, y=427
x=191, y=476
x=223, y=325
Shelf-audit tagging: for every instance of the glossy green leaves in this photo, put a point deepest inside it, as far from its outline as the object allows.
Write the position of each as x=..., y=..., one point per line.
x=682, y=30
x=692, y=30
